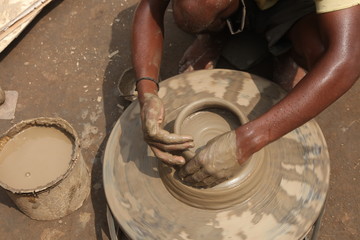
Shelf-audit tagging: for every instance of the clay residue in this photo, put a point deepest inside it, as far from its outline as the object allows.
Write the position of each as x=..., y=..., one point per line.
x=87, y=135
x=215, y=163
x=207, y=124
x=264, y=203
x=84, y=218
x=51, y=234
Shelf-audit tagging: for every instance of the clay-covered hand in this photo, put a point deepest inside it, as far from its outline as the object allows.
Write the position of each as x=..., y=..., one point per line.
x=161, y=141
x=216, y=162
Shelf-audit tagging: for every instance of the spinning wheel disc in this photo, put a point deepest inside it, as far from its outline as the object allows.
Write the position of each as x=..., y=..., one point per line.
x=282, y=200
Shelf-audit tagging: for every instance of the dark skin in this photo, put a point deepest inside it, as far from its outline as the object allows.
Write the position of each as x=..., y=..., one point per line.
x=326, y=45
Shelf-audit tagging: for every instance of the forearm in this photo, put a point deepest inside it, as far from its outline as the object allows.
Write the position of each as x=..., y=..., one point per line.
x=333, y=73
x=320, y=87
x=147, y=39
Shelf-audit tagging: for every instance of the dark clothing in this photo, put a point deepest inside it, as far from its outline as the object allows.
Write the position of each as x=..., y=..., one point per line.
x=273, y=23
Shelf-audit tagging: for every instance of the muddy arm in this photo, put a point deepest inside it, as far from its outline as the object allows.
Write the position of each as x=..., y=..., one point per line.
x=148, y=34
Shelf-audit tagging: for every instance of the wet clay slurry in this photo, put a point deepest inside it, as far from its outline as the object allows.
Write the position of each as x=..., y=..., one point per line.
x=35, y=157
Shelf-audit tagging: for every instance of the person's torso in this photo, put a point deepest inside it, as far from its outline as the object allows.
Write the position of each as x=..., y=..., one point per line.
x=265, y=4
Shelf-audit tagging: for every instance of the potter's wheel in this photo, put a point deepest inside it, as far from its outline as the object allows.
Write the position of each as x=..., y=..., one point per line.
x=282, y=200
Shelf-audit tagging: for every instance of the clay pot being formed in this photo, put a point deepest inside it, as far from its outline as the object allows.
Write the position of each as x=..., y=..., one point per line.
x=205, y=119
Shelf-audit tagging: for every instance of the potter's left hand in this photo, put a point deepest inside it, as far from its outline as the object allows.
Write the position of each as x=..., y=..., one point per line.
x=216, y=162
x=161, y=141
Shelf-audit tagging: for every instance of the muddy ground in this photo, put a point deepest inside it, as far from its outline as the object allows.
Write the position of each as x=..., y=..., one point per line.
x=67, y=64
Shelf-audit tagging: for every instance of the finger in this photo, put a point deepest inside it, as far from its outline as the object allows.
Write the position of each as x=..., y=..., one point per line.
x=218, y=181
x=186, y=66
x=168, y=157
x=171, y=147
x=210, y=65
x=190, y=168
x=163, y=136
x=152, y=126
x=189, y=69
x=210, y=181
x=199, y=185
x=197, y=177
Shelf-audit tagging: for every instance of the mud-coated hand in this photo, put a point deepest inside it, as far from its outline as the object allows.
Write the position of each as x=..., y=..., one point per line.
x=161, y=141
x=216, y=162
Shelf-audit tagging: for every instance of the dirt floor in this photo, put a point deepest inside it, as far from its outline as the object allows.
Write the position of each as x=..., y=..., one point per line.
x=68, y=63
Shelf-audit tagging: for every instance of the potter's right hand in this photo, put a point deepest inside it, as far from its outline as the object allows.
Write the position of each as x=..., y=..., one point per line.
x=161, y=141
x=217, y=161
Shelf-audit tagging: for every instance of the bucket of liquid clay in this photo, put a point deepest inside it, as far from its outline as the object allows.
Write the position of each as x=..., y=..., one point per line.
x=205, y=119
x=42, y=169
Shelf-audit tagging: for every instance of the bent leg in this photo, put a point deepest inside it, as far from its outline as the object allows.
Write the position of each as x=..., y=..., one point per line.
x=307, y=48
x=308, y=45
x=287, y=73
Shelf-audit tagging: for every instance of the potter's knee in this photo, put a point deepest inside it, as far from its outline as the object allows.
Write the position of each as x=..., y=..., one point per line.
x=313, y=54
x=308, y=44
x=308, y=53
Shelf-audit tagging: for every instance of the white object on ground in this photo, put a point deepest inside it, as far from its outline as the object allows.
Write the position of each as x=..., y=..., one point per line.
x=15, y=16
x=7, y=110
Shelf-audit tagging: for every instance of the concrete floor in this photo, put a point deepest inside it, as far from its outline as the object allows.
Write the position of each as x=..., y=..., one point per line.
x=67, y=64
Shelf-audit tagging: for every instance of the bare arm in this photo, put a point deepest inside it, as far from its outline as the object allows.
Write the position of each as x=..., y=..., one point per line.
x=331, y=76
x=148, y=34
x=147, y=39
